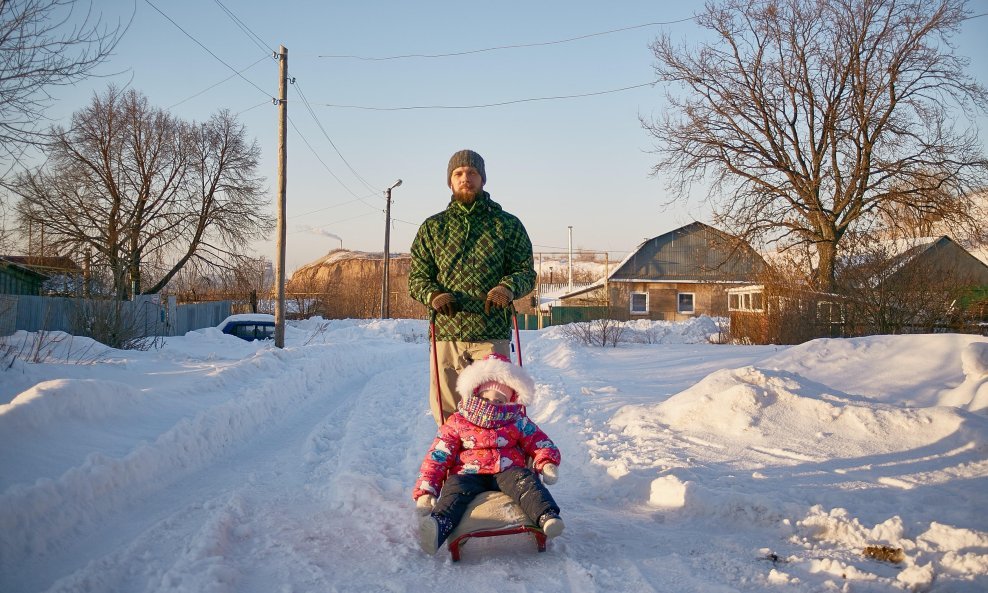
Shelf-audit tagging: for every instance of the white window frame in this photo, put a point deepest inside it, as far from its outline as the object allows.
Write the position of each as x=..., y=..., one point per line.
x=749, y=300
x=679, y=303
x=631, y=303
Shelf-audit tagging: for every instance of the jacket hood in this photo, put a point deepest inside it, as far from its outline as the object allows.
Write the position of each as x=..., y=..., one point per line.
x=496, y=368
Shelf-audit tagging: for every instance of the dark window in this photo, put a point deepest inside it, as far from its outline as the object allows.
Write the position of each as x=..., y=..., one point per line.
x=686, y=302
x=639, y=302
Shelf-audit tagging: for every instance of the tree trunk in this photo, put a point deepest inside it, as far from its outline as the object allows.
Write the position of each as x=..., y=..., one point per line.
x=825, y=277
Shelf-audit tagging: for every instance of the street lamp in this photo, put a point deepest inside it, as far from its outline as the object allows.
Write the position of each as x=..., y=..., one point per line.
x=385, y=306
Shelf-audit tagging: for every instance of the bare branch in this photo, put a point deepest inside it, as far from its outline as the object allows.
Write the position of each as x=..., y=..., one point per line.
x=807, y=116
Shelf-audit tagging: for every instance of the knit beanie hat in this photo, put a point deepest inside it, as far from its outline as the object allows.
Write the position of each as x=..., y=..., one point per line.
x=466, y=158
x=497, y=369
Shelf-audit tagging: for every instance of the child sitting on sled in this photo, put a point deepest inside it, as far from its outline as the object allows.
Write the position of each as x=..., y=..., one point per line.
x=485, y=446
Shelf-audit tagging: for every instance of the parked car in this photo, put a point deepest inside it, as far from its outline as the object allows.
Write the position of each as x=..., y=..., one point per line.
x=249, y=326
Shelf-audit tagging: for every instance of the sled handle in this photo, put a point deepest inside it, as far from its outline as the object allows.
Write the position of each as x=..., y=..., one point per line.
x=435, y=366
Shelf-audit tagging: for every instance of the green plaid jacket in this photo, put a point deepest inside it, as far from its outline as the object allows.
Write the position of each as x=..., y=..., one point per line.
x=467, y=251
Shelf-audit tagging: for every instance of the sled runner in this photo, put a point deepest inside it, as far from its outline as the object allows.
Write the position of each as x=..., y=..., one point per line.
x=491, y=514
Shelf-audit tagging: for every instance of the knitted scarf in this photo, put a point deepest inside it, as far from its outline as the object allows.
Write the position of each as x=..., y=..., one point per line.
x=487, y=414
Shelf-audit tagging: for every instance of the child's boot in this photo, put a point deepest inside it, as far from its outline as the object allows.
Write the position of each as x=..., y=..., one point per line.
x=433, y=531
x=551, y=524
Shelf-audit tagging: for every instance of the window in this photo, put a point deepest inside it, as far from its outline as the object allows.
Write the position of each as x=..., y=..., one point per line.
x=746, y=299
x=639, y=302
x=253, y=331
x=828, y=312
x=686, y=302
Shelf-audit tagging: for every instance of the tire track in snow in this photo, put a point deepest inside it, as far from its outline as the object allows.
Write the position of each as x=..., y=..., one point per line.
x=266, y=463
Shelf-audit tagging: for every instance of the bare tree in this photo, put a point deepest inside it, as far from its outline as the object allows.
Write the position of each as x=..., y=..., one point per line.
x=44, y=44
x=810, y=116
x=145, y=192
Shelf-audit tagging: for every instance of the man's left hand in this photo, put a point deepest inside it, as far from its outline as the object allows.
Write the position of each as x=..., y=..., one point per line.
x=499, y=297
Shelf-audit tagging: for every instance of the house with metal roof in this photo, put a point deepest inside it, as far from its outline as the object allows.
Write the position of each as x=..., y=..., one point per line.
x=907, y=285
x=681, y=274
x=20, y=279
x=35, y=275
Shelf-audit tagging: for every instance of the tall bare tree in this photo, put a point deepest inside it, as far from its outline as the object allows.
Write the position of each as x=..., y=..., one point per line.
x=144, y=192
x=810, y=117
x=44, y=44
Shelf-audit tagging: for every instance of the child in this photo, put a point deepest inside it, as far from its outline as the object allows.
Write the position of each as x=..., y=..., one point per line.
x=484, y=446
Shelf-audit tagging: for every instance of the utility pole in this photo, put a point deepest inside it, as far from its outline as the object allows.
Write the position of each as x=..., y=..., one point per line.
x=385, y=301
x=570, y=259
x=279, y=305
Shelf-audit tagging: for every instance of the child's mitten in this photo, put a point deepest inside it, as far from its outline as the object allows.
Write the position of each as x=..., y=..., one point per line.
x=424, y=504
x=550, y=473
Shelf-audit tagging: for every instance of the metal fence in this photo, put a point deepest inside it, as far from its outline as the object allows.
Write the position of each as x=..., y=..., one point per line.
x=148, y=313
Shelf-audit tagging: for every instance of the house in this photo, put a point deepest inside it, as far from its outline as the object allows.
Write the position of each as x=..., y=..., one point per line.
x=916, y=285
x=35, y=275
x=681, y=274
x=775, y=313
x=16, y=278
x=922, y=284
x=942, y=254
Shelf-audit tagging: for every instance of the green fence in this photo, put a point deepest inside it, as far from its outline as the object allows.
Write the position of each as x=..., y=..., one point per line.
x=562, y=316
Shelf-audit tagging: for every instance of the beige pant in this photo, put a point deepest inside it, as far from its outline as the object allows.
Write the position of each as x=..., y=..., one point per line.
x=452, y=358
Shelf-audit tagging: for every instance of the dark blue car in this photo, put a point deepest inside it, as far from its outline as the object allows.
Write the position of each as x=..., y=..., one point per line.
x=249, y=326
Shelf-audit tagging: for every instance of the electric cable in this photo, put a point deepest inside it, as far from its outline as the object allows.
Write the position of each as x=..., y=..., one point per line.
x=197, y=42
x=502, y=47
x=488, y=105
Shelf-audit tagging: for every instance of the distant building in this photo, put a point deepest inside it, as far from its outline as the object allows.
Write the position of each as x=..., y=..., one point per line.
x=36, y=275
x=19, y=279
x=915, y=285
x=680, y=274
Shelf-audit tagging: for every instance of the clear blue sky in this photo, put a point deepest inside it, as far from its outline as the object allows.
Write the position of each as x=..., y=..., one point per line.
x=581, y=162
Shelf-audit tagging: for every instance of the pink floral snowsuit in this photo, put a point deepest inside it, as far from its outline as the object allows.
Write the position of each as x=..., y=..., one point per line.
x=483, y=438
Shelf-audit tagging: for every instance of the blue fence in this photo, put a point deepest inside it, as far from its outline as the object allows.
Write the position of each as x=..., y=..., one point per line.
x=146, y=312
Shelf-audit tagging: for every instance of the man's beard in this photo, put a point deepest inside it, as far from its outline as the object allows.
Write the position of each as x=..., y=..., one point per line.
x=465, y=196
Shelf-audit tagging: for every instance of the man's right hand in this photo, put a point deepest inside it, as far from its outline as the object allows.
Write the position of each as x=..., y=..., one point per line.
x=444, y=303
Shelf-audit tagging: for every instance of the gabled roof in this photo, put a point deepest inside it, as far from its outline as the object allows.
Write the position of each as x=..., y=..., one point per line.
x=692, y=253
x=940, y=252
x=8, y=263
x=45, y=265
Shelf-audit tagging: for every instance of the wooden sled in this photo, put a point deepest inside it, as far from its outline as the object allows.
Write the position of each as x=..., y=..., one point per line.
x=491, y=514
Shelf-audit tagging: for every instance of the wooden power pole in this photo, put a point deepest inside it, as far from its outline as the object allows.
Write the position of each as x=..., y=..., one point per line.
x=279, y=306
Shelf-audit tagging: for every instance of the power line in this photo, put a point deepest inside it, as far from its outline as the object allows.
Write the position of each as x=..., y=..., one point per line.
x=210, y=87
x=332, y=206
x=335, y=222
x=487, y=105
x=319, y=158
x=197, y=42
x=312, y=113
x=252, y=108
x=502, y=47
x=247, y=30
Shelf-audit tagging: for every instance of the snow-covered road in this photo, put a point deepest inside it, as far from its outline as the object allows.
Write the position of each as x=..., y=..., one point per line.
x=220, y=466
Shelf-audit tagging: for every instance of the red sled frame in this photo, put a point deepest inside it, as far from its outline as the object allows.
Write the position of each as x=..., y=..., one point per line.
x=540, y=538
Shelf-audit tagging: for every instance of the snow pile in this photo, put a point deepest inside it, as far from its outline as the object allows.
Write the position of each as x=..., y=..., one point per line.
x=696, y=330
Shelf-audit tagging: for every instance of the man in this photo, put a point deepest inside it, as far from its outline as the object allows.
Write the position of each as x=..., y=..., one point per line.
x=468, y=263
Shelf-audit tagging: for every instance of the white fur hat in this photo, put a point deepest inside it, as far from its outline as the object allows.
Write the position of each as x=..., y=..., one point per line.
x=499, y=369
